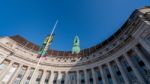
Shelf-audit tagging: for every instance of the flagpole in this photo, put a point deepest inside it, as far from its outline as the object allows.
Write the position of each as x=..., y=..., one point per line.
x=33, y=75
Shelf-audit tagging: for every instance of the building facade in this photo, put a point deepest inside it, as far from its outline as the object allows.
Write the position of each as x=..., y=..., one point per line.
x=124, y=58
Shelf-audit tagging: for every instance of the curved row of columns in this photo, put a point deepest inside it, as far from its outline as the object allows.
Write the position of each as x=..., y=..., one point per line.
x=104, y=78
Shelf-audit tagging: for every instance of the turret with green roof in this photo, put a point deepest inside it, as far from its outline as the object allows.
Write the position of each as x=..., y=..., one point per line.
x=76, y=45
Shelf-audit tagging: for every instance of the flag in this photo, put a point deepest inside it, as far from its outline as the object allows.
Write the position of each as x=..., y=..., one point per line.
x=45, y=46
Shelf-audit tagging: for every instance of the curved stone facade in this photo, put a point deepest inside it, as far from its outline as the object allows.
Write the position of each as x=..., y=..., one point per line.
x=124, y=58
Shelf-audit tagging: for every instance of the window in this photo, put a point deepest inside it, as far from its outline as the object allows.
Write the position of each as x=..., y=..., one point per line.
x=62, y=81
x=72, y=78
x=148, y=40
x=20, y=75
x=29, y=76
x=118, y=73
x=63, y=78
x=55, y=77
x=142, y=68
x=82, y=81
x=47, y=77
x=108, y=75
x=129, y=70
x=82, y=77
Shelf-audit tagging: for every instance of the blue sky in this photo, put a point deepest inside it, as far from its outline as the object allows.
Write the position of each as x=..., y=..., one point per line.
x=93, y=20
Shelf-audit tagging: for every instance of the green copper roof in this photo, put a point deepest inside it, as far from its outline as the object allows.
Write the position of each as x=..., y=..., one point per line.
x=76, y=45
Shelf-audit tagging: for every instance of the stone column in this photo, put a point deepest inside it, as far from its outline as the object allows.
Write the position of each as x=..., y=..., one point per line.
x=138, y=75
x=51, y=77
x=6, y=70
x=43, y=77
x=34, y=76
x=59, y=78
x=85, y=77
x=147, y=63
x=144, y=44
x=103, y=75
x=112, y=74
x=93, y=76
x=123, y=73
x=78, y=77
x=66, y=78
x=25, y=76
x=16, y=74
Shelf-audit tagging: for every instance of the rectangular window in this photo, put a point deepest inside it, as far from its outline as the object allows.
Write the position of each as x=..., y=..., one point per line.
x=47, y=77
x=20, y=75
x=149, y=38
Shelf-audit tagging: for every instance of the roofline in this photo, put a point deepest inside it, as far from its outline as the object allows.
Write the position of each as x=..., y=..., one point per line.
x=88, y=51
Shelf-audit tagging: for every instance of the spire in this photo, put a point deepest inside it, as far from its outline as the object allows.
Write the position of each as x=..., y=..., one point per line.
x=76, y=45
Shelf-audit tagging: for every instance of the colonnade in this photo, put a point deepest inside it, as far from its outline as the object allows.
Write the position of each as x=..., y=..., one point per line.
x=129, y=68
